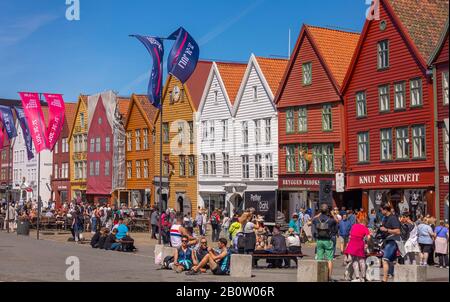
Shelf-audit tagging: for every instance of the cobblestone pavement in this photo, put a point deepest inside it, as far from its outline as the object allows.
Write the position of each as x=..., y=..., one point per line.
x=27, y=259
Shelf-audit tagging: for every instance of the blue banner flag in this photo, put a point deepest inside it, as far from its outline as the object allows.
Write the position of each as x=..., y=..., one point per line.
x=183, y=57
x=26, y=131
x=7, y=119
x=156, y=49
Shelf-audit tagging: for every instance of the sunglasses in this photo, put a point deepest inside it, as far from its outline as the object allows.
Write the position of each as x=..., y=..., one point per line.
x=203, y=242
x=184, y=241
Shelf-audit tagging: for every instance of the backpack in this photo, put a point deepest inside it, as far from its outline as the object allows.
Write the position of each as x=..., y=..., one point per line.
x=323, y=229
x=214, y=219
x=166, y=262
x=241, y=241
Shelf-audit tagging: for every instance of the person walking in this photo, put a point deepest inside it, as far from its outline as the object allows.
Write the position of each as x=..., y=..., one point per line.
x=215, y=225
x=391, y=231
x=226, y=223
x=355, y=250
x=154, y=222
x=441, y=243
x=344, y=227
x=412, y=247
x=199, y=221
x=426, y=240
x=324, y=226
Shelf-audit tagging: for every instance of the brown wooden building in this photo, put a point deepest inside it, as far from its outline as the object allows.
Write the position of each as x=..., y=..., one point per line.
x=311, y=115
x=388, y=95
x=140, y=151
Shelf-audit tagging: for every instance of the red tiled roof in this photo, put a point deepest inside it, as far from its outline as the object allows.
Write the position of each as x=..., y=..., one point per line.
x=149, y=110
x=123, y=104
x=70, y=112
x=423, y=20
x=336, y=48
x=197, y=81
x=232, y=74
x=273, y=70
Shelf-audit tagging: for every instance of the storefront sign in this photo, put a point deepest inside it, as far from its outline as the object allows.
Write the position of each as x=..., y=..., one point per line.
x=305, y=182
x=263, y=202
x=394, y=180
x=340, y=182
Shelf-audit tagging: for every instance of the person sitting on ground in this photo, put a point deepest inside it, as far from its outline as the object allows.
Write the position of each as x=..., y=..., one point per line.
x=218, y=260
x=104, y=233
x=184, y=257
x=111, y=242
x=202, y=250
x=95, y=239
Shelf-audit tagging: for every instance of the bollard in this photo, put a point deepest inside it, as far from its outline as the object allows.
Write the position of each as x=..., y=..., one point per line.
x=410, y=273
x=241, y=266
x=312, y=271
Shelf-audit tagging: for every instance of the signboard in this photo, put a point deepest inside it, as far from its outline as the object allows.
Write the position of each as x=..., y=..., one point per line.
x=446, y=179
x=392, y=180
x=340, y=182
x=304, y=182
x=264, y=203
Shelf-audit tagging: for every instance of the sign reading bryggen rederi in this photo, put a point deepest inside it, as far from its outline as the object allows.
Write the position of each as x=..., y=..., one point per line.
x=56, y=118
x=304, y=182
x=263, y=202
x=392, y=180
x=33, y=112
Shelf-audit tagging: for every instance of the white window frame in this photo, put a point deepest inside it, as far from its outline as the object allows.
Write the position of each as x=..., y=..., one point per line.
x=364, y=147
x=302, y=119
x=226, y=164
x=307, y=73
x=419, y=141
x=212, y=165
x=257, y=131
x=258, y=166
x=402, y=145
x=361, y=104
x=290, y=123
x=383, y=54
x=269, y=165
x=205, y=164
x=416, y=93
x=268, y=131
x=386, y=147
x=245, y=167
x=290, y=159
x=245, y=133
x=384, y=98
x=400, y=95
x=327, y=117
x=137, y=134
x=445, y=83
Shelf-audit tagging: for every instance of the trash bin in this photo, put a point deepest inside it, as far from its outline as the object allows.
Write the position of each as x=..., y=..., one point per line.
x=23, y=228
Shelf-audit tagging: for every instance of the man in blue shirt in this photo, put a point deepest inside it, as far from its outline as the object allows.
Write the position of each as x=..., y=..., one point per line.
x=344, y=227
x=122, y=229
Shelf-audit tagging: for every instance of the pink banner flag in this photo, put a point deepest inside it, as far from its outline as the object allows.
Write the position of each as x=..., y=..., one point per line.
x=33, y=112
x=2, y=138
x=56, y=118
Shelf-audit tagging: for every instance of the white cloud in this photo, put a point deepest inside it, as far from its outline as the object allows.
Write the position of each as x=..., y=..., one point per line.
x=14, y=32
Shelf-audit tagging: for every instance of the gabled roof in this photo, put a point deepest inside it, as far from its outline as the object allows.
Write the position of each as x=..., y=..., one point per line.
x=273, y=70
x=336, y=48
x=147, y=110
x=420, y=22
x=70, y=113
x=81, y=99
x=197, y=81
x=435, y=54
x=423, y=21
x=231, y=74
x=123, y=103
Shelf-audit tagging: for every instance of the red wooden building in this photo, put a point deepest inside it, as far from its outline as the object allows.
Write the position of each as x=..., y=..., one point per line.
x=311, y=116
x=100, y=146
x=388, y=95
x=439, y=63
x=60, y=181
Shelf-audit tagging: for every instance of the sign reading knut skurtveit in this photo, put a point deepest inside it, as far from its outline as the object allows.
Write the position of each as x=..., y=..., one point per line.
x=380, y=180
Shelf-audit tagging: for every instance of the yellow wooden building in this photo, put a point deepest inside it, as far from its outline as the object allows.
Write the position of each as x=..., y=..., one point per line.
x=140, y=167
x=180, y=104
x=78, y=150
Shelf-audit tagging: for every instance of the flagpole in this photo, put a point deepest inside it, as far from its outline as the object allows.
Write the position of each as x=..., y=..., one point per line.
x=8, y=196
x=38, y=189
x=160, y=170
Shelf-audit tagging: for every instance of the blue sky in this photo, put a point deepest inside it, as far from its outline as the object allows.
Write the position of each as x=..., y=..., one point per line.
x=41, y=51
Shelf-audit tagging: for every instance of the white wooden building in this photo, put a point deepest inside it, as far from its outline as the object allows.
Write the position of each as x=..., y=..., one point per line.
x=240, y=99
